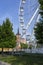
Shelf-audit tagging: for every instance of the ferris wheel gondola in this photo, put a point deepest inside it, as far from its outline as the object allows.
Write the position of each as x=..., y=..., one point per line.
x=21, y=15
x=23, y=1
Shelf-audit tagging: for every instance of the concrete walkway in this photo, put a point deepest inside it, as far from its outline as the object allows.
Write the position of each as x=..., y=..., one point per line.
x=4, y=63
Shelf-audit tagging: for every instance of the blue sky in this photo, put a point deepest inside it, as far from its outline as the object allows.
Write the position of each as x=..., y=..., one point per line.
x=10, y=9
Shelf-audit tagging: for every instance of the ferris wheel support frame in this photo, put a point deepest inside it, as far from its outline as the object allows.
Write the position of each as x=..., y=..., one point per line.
x=21, y=17
x=32, y=18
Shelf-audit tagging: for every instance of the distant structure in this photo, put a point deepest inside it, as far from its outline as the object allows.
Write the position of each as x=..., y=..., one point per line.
x=19, y=39
x=18, y=36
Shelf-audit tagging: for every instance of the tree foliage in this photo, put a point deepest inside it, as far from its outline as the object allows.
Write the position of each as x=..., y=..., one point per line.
x=7, y=36
x=24, y=46
x=41, y=7
x=39, y=32
x=41, y=2
x=39, y=25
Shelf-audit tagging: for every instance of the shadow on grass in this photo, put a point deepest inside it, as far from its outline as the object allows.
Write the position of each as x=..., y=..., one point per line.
x=27, y=59
x=30, y=59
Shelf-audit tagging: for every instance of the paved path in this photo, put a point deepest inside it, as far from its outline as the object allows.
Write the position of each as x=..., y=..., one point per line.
x=3, y=63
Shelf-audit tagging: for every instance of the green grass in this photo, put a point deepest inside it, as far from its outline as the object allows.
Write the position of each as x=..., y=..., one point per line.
x=27, y=59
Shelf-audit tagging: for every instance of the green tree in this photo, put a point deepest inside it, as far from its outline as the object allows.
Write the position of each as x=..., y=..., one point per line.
x=30, y=46
x=39, y=32
x=1, y=38
x=7, y=36
x=24, y=46
x=41, y=2
x=39, y=25
x=41, y=8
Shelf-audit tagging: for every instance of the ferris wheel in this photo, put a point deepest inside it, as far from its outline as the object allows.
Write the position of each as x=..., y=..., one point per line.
x=28, y=9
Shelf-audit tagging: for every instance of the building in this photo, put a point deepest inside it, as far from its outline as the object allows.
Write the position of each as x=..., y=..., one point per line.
x=18, y=36
x=19, y=39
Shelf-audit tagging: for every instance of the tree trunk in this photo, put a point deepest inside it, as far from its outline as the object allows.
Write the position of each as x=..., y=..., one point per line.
x=2, y=51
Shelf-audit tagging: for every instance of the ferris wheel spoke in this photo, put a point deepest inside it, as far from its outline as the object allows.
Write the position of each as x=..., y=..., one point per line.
x=32, y=18
x=22, y=12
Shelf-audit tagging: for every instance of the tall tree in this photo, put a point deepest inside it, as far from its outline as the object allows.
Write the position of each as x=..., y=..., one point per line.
x=8, y=38
x=39, y=25
x=39, y=32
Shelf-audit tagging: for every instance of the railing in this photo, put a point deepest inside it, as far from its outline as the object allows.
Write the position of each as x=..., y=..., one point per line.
x=35, y=50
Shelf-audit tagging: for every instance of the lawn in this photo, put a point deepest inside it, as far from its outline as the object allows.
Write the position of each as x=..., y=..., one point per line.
x=27, y=59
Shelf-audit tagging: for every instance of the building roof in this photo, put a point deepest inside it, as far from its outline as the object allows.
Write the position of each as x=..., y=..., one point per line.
x=18, y=33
